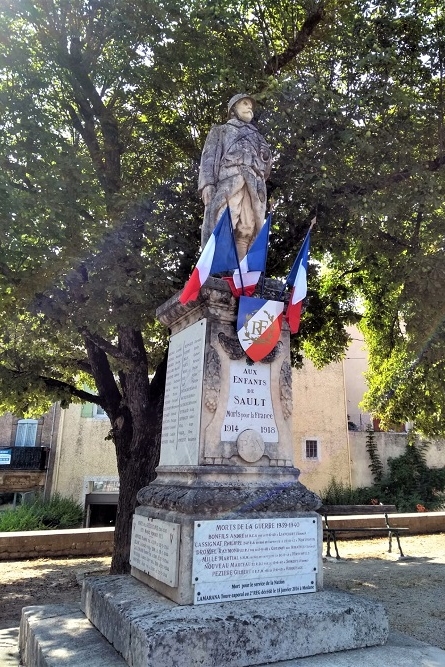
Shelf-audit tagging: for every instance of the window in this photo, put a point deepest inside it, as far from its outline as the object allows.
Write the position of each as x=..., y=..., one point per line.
x=311, y=449
x=93, y=410
x=98, y=411
x=26, y=433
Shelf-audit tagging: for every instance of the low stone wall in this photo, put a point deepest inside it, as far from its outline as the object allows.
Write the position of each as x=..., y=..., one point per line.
x=418, y=523
x=99, y=541
x=53, y=543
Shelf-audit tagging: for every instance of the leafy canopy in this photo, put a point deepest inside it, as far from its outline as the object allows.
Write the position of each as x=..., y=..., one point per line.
x=104, y=109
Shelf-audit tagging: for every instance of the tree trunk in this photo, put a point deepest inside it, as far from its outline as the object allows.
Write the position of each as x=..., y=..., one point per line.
x=138, y=461
x=137, y=437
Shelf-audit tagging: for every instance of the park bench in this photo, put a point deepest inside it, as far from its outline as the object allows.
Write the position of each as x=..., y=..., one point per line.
x=377, y=511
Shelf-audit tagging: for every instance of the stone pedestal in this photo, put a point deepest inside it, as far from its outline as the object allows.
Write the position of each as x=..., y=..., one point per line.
x=226, y=454
x=225, y=522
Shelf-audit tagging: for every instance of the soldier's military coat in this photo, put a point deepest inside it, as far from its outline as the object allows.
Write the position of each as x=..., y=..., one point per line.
x=236, y=160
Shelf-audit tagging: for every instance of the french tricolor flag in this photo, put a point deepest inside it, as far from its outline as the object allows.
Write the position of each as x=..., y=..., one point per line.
x=297, y=279
x=252, y=265
x=218, y=255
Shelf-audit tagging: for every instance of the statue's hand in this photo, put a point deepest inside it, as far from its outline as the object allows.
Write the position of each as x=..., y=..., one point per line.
x=208, y=192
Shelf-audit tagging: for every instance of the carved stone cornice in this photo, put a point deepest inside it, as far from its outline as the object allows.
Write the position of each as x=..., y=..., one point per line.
x=233, y=501
x=214, y=299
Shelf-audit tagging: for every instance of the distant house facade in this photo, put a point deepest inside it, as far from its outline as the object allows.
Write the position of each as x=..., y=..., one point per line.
x=320, y=429
x=27, y=450
x=85, y=465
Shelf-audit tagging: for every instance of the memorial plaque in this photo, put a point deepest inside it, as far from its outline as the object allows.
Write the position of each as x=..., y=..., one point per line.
x=259, y=588
x=258, y=550
x=250, y=402
x=183, y=391
x=155, y=548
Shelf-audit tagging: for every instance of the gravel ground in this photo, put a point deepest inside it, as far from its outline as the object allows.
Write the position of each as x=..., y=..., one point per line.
x=412, y=589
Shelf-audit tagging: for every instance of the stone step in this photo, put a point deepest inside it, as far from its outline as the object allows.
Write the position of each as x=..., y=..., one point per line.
x=56, y=636
x=152, y=631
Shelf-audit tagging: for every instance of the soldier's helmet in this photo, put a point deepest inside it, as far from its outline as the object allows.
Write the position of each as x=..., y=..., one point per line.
x=236, y=98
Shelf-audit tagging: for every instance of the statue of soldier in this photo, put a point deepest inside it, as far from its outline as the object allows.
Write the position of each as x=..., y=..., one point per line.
x=235, y=165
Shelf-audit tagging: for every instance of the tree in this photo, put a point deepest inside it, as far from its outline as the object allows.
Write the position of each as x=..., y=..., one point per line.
x=104, y=110
x=102, y=131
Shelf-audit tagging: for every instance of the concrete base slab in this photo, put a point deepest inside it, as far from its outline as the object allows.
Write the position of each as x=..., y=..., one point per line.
x=150, y=631
x=400, y=651
x=56, y=635
x=51, y=647
x=9, y=655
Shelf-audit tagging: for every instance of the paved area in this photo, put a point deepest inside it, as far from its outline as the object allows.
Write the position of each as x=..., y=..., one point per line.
x=9, y=655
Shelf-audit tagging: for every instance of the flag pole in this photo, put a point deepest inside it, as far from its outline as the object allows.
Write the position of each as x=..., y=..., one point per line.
x=234, y=245
x=313, y=222
x=271, y=208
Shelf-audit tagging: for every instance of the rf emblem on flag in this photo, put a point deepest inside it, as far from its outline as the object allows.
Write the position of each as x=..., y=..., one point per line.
x=259, y=326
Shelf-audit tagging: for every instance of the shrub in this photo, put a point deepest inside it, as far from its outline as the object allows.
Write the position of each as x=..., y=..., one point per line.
x=339, y=493
x=409, y=483
x=58, y=512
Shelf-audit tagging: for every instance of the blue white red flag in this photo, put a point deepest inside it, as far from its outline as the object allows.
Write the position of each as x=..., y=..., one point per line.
x=259, y=325
x=297, y=279
x=252, y=265
x=218, y=255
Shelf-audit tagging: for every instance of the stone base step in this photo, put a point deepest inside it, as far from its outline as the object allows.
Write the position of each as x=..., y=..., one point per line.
x=60, y=636
x=151, y=631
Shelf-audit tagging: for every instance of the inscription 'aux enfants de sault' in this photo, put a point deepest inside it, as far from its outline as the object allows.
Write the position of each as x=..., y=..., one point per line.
x=250, y=403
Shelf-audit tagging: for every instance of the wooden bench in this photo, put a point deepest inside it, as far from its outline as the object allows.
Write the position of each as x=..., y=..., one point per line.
x=379, y=511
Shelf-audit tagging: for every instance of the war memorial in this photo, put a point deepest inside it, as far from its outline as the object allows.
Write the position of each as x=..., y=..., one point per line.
x=226, y=551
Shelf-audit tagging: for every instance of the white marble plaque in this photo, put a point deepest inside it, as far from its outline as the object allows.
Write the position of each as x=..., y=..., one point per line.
x=254, y=549
x=250, y=402
x=155, y=548
x=267, y=587
x=183, y=391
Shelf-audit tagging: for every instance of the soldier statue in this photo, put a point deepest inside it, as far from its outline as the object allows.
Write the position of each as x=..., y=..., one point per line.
x=235, y=165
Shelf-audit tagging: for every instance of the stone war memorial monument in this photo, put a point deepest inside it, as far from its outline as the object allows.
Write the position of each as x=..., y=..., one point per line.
x=226, y=550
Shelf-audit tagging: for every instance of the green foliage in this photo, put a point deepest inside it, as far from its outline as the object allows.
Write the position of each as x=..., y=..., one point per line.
x=104, y=110
x=56, y=513
x=408, y=483
x=376, y=465
x=339, y=493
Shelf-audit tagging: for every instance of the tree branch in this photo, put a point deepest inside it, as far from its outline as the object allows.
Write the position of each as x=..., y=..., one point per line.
x=107, y=347
x=280, y=60
x=104, y=378
x=86, y=396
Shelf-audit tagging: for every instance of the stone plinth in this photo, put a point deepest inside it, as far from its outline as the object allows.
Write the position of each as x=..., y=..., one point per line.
x=184, y=495
x=151, y=631
x=226, y=451
x=220, y=407
x=227, y=538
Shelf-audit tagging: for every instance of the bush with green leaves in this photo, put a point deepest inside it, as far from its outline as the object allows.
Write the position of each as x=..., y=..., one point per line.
x=408, y=483
x=339, y=493
x=58, y=512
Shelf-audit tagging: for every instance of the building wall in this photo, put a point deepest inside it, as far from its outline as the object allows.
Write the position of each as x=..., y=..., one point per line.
x=82, y=451
x=355, y=367
x=320, y=414
x=389, y=445
x=46, y=428
x=6, y=429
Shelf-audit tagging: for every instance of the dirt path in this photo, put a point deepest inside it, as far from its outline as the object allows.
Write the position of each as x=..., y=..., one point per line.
x=42, y=581
x=411, y=589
